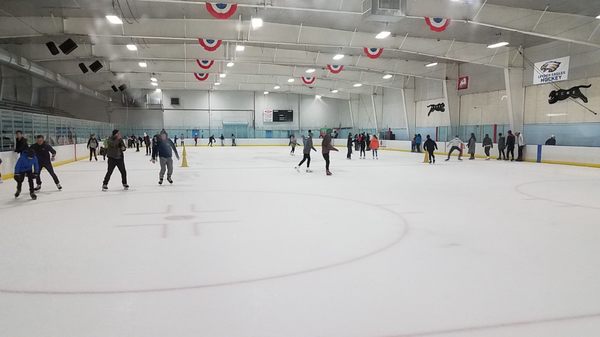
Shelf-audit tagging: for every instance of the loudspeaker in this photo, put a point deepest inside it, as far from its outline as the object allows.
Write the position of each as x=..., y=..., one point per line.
x=68, y=46
x=83, y=68
x=96, y=66
x=52, y=47
x=122, y=87
x=114, y=88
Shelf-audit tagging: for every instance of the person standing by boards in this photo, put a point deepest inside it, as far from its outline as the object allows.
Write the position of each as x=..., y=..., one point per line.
x=163, y=149
x=114, y=151
x=308, y=146
x=501, y=147
x=326, y=148
x=45, y=155
x=472, y=144
x=349, y=144
x=488, y=144
x=93, y=144
x=430, y=146
x=510, y=146
x=148, y=144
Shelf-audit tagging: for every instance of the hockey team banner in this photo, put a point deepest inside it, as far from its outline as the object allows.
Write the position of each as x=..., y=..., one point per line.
x=268, y=116
x=551, y=71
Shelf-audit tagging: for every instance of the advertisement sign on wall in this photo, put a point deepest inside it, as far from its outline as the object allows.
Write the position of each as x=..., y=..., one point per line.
x=268, y=116
x=550, y=71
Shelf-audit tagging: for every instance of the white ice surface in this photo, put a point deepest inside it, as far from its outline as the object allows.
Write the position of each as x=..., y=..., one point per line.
x=244, y=246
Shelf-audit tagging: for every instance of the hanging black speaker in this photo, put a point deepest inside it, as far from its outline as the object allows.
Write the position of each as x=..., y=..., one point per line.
x=122, y=87
x=68, y=46
x=96, y=66
x=114, y=88
x=83, y=68
x=52, y=48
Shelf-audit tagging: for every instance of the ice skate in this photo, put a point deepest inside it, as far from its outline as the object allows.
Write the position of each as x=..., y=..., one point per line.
x=18, y=193
x=160, y=181
x=104, y=188
x=125, y=187
x=33, y=196
x=308, y=171
x=37, y=188
x=329, y=173
x=170, y=180
x=59, y=187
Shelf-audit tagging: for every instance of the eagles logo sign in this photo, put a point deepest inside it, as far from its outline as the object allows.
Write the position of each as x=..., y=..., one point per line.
x=550, y=67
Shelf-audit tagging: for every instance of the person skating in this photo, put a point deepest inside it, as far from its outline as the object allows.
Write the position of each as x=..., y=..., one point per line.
x=356, y=143
x=233, y=143
x=375, y=147
x=551, y=141
x=326, y=148
x=501, y=147
x=293, y=142
x=174, y=139
x=308, y=146
x=472, y=144
x=456, y=144
x=114, y=151
x=418, y=141
x=20, y=142
x=148, y=143
x=430, y=146
x=27, y=167
x=521, y=146
x=510, y=146
x=182, y=140
x=488, y=144
x=222, y=138
x=137, y=143
x=45, y=155
x=211, y=140
x=196, y=140
x=349, y=144
x=163, y=149
x=92, y=144
x=363, y=146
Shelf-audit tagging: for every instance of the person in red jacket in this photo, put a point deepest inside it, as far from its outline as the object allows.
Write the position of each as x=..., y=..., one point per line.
x=375, y=146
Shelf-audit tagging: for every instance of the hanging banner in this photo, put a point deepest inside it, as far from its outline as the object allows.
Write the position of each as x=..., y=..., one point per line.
x=309, y=80
x=334, y=68
x=220, y=10
x=373, y=53
x=210, y=44
x=201, y=77
x=268, y=116
x=205, y=64
x=437, y=24
x=551, y=71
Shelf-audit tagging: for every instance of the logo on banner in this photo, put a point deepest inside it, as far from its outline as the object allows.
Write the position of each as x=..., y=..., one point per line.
x=334, y=68
x=309, y=80
x=373, y=53
x=220, y=10
x=205, y=64
x=210, y=44
x=201, y=77
x=437, y=24
x=463, y=83
x=551, y=71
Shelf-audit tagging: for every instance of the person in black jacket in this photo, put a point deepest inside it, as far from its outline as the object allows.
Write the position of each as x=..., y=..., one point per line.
x=349, y=144
x=45, y=155
x=20, y=142
x=147, y=142
x=430, y=146
x=115, y=146
x=93, y=144
x=510, y=146
x=551, y=141
x=501, y=147
x=163, y=149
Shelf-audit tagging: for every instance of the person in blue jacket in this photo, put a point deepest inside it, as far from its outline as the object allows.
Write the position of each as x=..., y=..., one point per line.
x=163, y=149
x=27, y=166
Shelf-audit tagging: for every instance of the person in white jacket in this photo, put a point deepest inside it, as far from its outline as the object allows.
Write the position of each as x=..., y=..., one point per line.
x=521, y=146
x=456, y=144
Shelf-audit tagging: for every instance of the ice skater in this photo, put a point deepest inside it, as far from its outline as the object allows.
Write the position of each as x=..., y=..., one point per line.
x=472, y=145
x=114, y=151
x=363, y=145
x=196, y=140
x=148, y=143
x=20, y=142
x=233, y=143
x=293, y=143
x=308, y=146
x=92, y=144
x=430, y=146
x=211, y=140
x=163, y=149
x=27, y=167
x=510, y=146
x=501, y=147
x=174, y=139
x=349, y=145
x=521, y=146
x=375, y=146
x=326, y=148
x=222, y=138
x=45, y=156
x=182, y=140
x=456, y=144
x=488, y=144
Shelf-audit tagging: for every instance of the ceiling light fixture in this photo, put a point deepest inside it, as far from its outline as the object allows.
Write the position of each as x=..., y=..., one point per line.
x=154, y=84
x=311, y=70
x=387, y=76
x=240, y=47
x=357, y=85
x=217, y=83
x=334, y=91
x=338, y=57
x=498, y=45
x=115, y=20
x=153, y=79
x=158, y=90
x=383, y=34
x=291, y=80
x=318, y=96
x=276, y=87
x=432, y=64
x=256, y=23
x=266, y=92
x=143, y=64
x=230, y=64
x=598, y=17
x=222, y=75
x=132, y=47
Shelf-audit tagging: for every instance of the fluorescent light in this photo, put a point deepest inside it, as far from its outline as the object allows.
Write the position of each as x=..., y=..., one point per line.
x=556, y=115
x=230, y=64
x=153, y=79
x=222, y=75
x=383, y=35
x=154, y=84
x=132, y=47
x=598, y=17
x=311, y=70
x=276, y=87
x=143, y=64
x=256, y=23
x=115, y=20
x=432, y=64
x=387, y=76
x=291, y=80
x=217, y=83
x=158, y=90
x=338, y=57
x=334, y=91
x=318, y=96
x=498, y=45
x=266, y=92
x=240, y=47
x=357, y=85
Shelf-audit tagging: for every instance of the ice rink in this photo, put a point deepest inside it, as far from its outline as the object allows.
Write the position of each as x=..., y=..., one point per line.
x=244, y=246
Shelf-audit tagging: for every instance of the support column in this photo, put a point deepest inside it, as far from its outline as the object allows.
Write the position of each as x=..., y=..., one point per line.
x=515, y=91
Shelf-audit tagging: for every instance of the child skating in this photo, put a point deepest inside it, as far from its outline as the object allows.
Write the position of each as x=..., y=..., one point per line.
x=27, y=167
x=308, y=146
x=375, y=147
x=293, y=143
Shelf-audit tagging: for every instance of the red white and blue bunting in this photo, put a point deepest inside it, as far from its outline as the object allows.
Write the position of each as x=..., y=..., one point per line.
x=201, y=77
x=437, y=24
x=334, y=68
x=309, y=80
x=210, y=44
x=220, y=10
x=373, y=53
x=205, y=64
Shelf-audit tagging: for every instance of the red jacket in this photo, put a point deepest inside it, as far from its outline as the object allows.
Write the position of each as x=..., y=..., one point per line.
x=374, y=144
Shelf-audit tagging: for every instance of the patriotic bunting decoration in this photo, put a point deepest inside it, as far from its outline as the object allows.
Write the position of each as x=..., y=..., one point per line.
x=437, y=24
x=201, y=77
x=205, y=64
x=220, y=10
x=210, y=44
x=373, y=53
x=335, y=69
x=309, y=80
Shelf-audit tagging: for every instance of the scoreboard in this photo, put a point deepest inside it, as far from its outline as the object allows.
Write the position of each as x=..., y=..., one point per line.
x=283, y=116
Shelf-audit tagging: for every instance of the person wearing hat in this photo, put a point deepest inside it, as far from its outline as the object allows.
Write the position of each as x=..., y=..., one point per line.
x=114, y=151
x=551, y=141
x=163, y=149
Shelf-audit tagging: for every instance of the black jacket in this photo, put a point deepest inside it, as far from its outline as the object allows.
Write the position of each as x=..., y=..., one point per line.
x=164, y=149
x=430, y=145
x=20, y=145
x=42, y=152
x=510, y=141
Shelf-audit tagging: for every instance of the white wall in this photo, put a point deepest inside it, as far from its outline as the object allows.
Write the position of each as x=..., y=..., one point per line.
x=484, y=108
